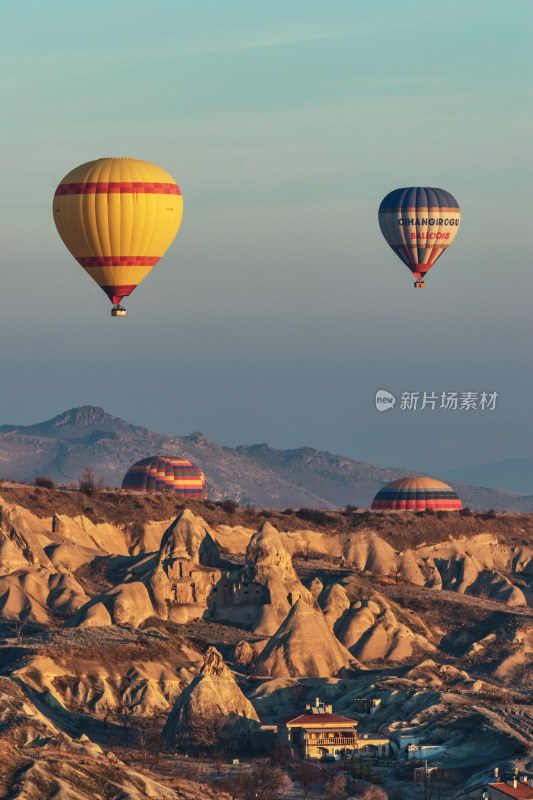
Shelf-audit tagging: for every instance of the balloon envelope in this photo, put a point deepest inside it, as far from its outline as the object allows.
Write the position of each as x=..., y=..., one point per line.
x=117, y=216
x=419, y=223
x=163, y=474
x=417, y=494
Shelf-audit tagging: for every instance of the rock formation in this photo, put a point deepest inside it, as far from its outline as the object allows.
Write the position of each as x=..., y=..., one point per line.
x=243, y=653
x=334, y=602
x=127, y=603
x=476, y=565
x=175, y=587
x=210, y=708
x=261, y=594
x=315, y=587
x=370, y=630
x=188, y=538
x=14, y=526
x=30, y=587
x=187, y=569
x=304, y=646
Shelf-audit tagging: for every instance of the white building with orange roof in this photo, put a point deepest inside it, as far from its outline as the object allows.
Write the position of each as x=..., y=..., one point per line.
x=517, y=788
x=319, y=732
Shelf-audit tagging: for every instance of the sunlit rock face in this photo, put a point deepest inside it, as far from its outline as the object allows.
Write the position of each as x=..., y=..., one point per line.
x=176, y=583
x=293, y=652
x=186, y=571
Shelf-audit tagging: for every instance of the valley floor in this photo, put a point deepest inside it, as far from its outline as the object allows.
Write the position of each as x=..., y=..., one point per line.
x=141, y=655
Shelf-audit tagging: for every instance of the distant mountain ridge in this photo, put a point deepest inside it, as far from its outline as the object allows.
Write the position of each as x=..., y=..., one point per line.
x=62, y=447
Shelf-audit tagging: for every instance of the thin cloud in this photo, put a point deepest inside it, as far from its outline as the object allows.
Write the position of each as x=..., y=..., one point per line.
x=255, y=40
x=91, y=60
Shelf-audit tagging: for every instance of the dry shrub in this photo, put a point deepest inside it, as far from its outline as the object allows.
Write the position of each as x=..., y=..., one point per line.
x=402, y=530
x=44, y=483
x=374, y=793
x=228, y=505
x=314, y=515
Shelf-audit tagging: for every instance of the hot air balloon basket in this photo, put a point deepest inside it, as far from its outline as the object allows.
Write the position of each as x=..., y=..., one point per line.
x=118, y=311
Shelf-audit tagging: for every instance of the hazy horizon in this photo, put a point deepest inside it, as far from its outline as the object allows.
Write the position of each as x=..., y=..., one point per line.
x=516, y=480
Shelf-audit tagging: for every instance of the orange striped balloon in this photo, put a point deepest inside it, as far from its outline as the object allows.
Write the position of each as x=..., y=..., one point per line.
x=117, y=216
x=165, y=474
x=417, y=494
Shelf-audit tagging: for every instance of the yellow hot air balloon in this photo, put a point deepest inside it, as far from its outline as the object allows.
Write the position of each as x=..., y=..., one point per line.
x=117, y=216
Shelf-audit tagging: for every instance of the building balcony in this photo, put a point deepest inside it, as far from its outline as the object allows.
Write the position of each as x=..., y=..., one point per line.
x=331, y=741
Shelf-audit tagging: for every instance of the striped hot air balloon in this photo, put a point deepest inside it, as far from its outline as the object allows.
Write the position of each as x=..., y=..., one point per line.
x=117, y=216
x=163, y=474
x=417, y=494
x=419, y=224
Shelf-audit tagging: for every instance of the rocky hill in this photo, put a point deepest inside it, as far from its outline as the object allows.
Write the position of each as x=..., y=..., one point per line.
x=62, y=447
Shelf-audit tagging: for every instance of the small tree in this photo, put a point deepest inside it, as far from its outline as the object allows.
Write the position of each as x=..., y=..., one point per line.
x=208, y=731
x=374, y=793
x=156, y=736
x=60, y=740
x=107, y=712
x=373, y=775
x=444, y=781
x=280, y=753
x=125, y=717
x=207, y=734
x=265, y=782
x=142, y=740
x=336, y=786
x=230, y=784
x=88, y=483
x=19, y=629
x=307, y=774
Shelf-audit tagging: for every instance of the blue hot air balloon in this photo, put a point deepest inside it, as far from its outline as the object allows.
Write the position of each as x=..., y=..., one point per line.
x=419, y=224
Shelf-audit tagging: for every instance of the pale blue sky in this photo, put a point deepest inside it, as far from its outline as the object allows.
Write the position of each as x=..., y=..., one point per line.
x=279, y=309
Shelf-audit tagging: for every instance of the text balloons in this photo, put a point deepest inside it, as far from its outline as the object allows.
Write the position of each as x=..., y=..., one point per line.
x=419, y=224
